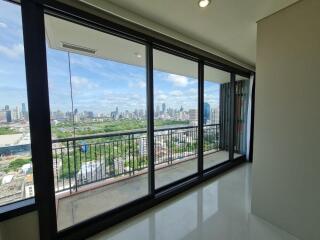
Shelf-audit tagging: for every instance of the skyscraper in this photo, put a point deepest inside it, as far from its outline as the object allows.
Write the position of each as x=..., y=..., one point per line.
x=8, y=116
x=23, y=108
x=163, y=107
x=206, y=113
x=24, y=111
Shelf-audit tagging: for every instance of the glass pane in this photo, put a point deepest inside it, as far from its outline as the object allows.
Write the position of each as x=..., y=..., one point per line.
x=16, y=176
x=175, y=117
x=98, y=113
x=216, y=117
x=242, y=86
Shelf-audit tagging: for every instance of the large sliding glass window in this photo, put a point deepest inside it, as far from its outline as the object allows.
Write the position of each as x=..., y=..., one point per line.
x=99, y=117
x=175, y=117
x=16, y=171
x=216, y=117
x=98, y=120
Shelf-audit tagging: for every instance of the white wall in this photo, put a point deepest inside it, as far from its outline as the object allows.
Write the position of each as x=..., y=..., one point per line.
x=286, y=167
x=24, y=227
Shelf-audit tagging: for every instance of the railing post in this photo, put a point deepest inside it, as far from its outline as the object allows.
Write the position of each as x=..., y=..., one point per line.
x=100, y=164
x=68, y=150
x=133, y=160
x=133, y=155
x=129, y=156
x=95, y=160
x=168, y=146
x=113, y=165
x=80, y=162
x=171, y=146
x=75, y=165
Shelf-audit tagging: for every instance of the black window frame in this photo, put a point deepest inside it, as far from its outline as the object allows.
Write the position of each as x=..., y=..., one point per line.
x=27, y=205
x=33, y=12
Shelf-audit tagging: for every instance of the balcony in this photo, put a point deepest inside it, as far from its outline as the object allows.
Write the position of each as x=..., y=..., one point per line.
x=97, y=173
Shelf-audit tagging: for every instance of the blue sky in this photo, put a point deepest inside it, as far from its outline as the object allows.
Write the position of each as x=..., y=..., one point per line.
x=98, y=85
x=12, y=69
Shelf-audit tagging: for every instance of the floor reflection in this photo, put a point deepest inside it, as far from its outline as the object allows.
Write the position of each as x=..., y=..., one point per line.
x=217, y=210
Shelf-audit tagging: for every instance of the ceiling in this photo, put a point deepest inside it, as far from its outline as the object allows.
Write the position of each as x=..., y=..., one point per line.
x=62, y=35
x=228, y=26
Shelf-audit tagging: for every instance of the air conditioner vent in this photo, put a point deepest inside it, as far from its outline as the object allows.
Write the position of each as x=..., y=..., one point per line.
x=78, y=48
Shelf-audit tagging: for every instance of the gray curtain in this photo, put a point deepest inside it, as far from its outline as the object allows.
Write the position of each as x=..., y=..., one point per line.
x=241, y=115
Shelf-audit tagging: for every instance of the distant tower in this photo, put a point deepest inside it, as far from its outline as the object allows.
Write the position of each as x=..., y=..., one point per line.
x=6, y=108
x=23, y=107
x=24, y=112
x=8, y=116
x=206, y=113
x=163, y=107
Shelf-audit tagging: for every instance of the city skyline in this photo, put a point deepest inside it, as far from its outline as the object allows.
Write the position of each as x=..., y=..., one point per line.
x=97, y=84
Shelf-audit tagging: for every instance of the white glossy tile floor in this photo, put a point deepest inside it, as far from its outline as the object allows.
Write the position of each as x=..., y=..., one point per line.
x=218, y=209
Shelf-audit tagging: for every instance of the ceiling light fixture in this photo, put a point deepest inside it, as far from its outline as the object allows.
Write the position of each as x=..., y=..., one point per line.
x=204, y=3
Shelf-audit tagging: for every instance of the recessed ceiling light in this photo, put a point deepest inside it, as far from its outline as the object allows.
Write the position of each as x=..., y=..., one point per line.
x=204, y=3
x=138, y=55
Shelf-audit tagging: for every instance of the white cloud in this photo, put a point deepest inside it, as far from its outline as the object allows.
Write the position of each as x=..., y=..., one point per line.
x=85, y=62
x=177, y=80
x=82, y=83
x=193, y=90
x=137, y=84
x=176, y=93
x=3, y=25
x=162, y=97
x=14, y=51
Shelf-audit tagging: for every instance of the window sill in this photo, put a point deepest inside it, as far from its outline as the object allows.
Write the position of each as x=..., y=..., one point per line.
x=17, y=208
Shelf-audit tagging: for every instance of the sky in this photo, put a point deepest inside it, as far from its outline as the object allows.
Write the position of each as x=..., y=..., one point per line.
x=98, y=85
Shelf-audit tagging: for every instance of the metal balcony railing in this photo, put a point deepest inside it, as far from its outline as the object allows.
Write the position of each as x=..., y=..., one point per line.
x=87, y=159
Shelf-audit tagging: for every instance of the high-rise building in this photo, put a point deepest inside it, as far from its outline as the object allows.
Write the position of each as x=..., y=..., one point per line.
x=115, y=114
x=8, y=116
x=24, y=112
x=23, y=108
x=16, y=114
x=163, y=107
x=3, y=117
x=206, y=113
